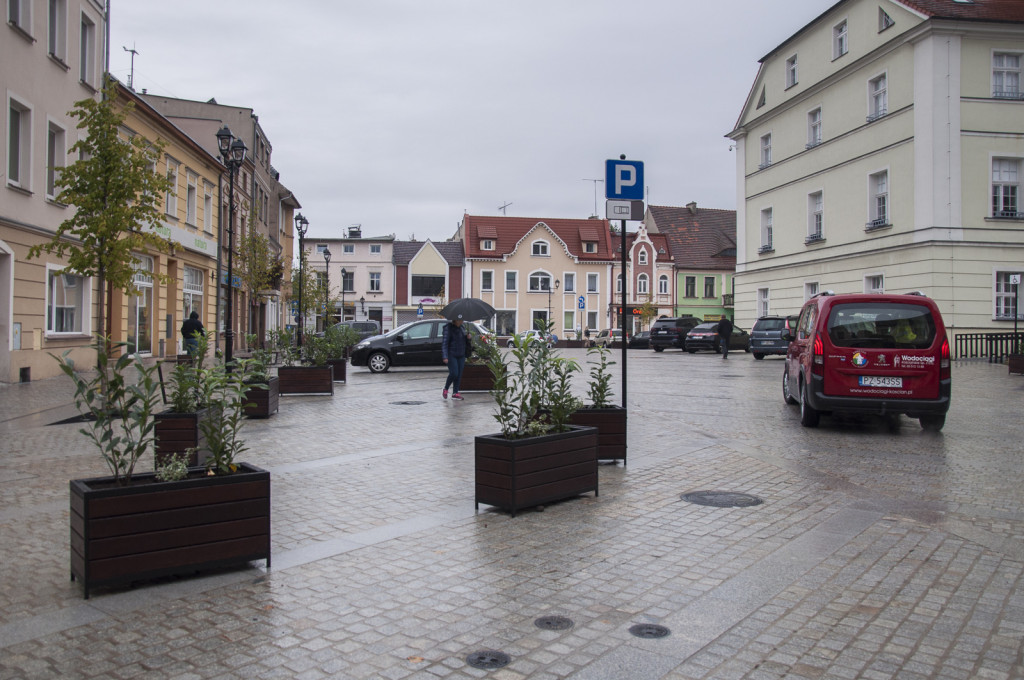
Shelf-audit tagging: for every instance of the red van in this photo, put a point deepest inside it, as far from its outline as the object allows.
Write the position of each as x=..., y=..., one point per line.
x=879, y=354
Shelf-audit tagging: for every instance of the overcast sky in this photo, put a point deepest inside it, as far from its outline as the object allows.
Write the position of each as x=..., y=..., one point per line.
x=401, y=115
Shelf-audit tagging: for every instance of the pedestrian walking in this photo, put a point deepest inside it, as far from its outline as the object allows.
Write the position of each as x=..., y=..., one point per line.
x=191, y=329
x=586, y=335
x=454, y=349
x=724, y=333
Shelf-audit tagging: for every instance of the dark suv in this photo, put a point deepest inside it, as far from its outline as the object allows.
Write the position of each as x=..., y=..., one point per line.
x=766, y=335
x=671, y=332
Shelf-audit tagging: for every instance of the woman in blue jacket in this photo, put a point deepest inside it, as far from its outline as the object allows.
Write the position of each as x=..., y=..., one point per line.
x=454, y=348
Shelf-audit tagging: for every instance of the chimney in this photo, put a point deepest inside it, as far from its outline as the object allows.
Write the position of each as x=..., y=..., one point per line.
x=692, y=207
x=355, y=231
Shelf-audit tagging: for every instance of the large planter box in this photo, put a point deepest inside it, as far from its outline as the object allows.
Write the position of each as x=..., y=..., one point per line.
x=513, y=474
x=476, y=378
x=261, y=402
x=1017, y=363
x=176, y=432
x=611, y=430
x=339, y=368
x=150, y=529
x=306, y=379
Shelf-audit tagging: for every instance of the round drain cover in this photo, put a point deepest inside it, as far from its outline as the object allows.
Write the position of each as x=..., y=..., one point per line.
x=649, y=631
x=554, y=623
x=407, y=403
x=488, y=659
x=721, y=499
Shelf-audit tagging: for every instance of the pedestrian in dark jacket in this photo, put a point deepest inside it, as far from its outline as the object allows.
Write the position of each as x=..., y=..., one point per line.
x=454, y=348
x=724, y=333
x=191, y=329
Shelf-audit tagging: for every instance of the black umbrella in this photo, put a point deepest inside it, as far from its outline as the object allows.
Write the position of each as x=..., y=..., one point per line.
x=467, y=309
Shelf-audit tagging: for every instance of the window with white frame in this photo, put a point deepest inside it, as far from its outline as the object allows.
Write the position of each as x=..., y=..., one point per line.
x=643, y=286
x=874, y=283
x=375, y=249
x=540, y=282
x=19, y=14
x=511, y=281
x=171, y=197
x=1006, y=75
x=816, y=216
x=65, y=303
x=55, y=154
x=191, y=198
x=814, y=128
x=193, y=292
x=878, y=104
x=641, y=257
x=540, y=248
x=569, y=282
x=207, y=207
x=884, y=20
x=487, y=280
x=840, y=44
x=663, y=285
x=709, y=286
x=810, y=290
x=766, y=151
x=569, y=319
x=87, y=52
x=763, y=302
x=487, y=244
x=347, y=248
x=592, y=320
x=878, y=185
x=19, y=144
x=593, y=281
x=320, y=248
x=690, y=287
x=766, y=230
x=618, y=283
x=590, y=246
x=374, y=282
x=348, y=282
x=57, y=30
x=791, y=73
x=1006, y=173
x=1004, y=295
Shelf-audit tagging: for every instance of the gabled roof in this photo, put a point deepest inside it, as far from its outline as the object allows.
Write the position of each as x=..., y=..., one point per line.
x=704, y=238
x=978, y=10
x=659, y=241
x=403, y=252
x=507, y=232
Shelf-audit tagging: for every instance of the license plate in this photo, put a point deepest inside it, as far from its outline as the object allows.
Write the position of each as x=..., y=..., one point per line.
x=880, y=381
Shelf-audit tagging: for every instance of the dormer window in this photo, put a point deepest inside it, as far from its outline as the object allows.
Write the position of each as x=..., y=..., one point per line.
x=540, y=248
x=590, y=247
x=487, y=244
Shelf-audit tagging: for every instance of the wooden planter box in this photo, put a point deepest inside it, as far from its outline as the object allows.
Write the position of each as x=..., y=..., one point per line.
x=611, y=430
x=306, y=379
x=519, y=473
x=261, y=402
x=476, y=378
x=339, y=368
x=176, y=432
x=150, y=529
x=1016, y=362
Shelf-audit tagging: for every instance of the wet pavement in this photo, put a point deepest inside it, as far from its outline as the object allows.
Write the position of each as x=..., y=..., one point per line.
x=875, y=554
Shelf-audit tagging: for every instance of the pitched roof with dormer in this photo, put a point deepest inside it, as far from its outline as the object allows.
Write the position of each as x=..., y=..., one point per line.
x=403, y=252
x=508, y=232
x=699, y=238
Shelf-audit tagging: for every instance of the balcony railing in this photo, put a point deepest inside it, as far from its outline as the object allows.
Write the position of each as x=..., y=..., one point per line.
x=1007, y=94
x=767, y=248
x=814, y=238
x=875, y=225
x=876, y=115
x=727, y=300
x=1008, y=215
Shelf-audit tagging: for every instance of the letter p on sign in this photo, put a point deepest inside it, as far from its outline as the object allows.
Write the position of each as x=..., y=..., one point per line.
x=624, y=180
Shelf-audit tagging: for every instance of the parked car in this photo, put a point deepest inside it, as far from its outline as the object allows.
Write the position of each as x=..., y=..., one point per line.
x=364, y=329
x=478, y=329
x=641, y=340
x=704, y=336
x=766, y=335
x=880, y=354
x=414, y=344
x=532, y=335
x=671, y=332
x=609, y=335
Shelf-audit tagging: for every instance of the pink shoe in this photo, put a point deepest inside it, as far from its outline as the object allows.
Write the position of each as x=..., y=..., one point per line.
x=444, y=394
x=457, y=396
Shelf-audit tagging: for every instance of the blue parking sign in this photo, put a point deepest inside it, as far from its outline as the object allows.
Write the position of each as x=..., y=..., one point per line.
x=624, y=180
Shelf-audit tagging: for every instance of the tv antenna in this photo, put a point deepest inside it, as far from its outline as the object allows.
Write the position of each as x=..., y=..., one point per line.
x=502, y=208
x=595, y=181
x=131, y=74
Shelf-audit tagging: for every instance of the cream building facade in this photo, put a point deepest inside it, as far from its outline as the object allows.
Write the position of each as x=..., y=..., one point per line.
x=880, y=150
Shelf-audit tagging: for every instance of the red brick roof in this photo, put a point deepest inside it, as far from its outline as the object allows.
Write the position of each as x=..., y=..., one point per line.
x=705, y=240
x=508, y=231
x=979, y=10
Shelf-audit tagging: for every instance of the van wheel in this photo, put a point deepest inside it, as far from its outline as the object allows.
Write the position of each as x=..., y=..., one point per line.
x=809, y=415
x=378, y=362
x=757, y=355
x=786, y=394
x=932, y=423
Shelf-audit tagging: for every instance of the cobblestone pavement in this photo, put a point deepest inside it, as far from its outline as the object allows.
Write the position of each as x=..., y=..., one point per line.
x=875, y=554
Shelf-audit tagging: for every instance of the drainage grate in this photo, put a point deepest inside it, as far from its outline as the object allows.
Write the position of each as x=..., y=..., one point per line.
x=554, y=623
x=407, y=403
x=488, y=660
x=721, y=499
x=649, y=631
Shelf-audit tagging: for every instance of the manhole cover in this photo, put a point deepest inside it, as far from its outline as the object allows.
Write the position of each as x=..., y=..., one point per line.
x=649, y=631
x=554, y=623
x=488, y=660
x=407, y=403
x=721, y=499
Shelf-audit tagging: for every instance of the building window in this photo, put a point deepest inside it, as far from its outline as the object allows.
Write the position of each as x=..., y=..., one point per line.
x=320, y=248
x=487, y=244
x=815, y=217
x=709, y=286
x=87, y=54
x=569, y=320
x=878, y=105
x=374, y=249
x=1006, y=188
x=810, y=290
x=55, y=155
x=348, y=282
x=346, y=248
x=592, y=283
x=814, y=128
x=19, y=15
x=487, y=280
x=171, y=198
x=511, y=281
x=766, y=151
x=1006, y=75
x=874, y=283
x=374, y=282
x=840, y=46
x=690, y=287
x=540, y=248
x=791, y=74
x=662, y=285
x=590, y=246
x=65, y=303
x=540, y=282
x=642, y=285
x=878, y=184
x=191, y=199
x=505, y=322
x=592, y=320
x=884, y=20
x=763, y=305
x=1004, y=296
x=618, y=284
x=57, y=30
x=207, y=208
x=569, y=282
x=641, y=257
x=766, y=231
x=19, y=144
x=193, y=289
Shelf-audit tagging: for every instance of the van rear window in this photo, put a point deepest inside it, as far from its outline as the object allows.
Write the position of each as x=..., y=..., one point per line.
x=881, y=325
x=769, y=324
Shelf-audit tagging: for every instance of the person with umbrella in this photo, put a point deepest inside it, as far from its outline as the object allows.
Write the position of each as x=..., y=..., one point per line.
x=455, y=346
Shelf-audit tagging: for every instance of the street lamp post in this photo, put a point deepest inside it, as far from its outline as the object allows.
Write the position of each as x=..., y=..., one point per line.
x=343, y=273
x=549, y=297
x=301, y=225
x=232, y=151
x=327, y=288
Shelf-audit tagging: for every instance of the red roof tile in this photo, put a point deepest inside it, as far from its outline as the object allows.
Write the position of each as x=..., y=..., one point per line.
x=508, y=231
x=705, y=240
x=978, y=10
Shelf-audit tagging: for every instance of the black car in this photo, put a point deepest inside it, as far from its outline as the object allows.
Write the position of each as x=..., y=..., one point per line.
x=364, y=329
x=671, y=332
x=766, y=337
x=641, y=340
x=414, y=344
x=705, y=337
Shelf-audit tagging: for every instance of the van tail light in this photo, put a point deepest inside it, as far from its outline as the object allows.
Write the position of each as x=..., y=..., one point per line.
x=818, y=360
x=944, y=369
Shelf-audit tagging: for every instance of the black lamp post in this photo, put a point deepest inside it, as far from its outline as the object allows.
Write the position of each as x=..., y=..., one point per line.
x=301, y=225
x=232, y=151
x=343, y=274
x=549, y=297
x=362, y=303
x=327, y=288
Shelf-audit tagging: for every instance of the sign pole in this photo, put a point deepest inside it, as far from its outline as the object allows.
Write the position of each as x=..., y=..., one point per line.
x=624, y=314
x=1016, y=313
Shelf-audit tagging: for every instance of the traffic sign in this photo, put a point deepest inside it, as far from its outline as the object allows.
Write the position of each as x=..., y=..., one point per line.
x=583, y=302
x=624, y=180
x=624, y=210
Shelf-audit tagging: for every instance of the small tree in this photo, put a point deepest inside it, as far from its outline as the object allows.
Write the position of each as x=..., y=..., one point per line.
x=116, y=194
x=312, y=287
x=258, y=268
x=647, y=312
